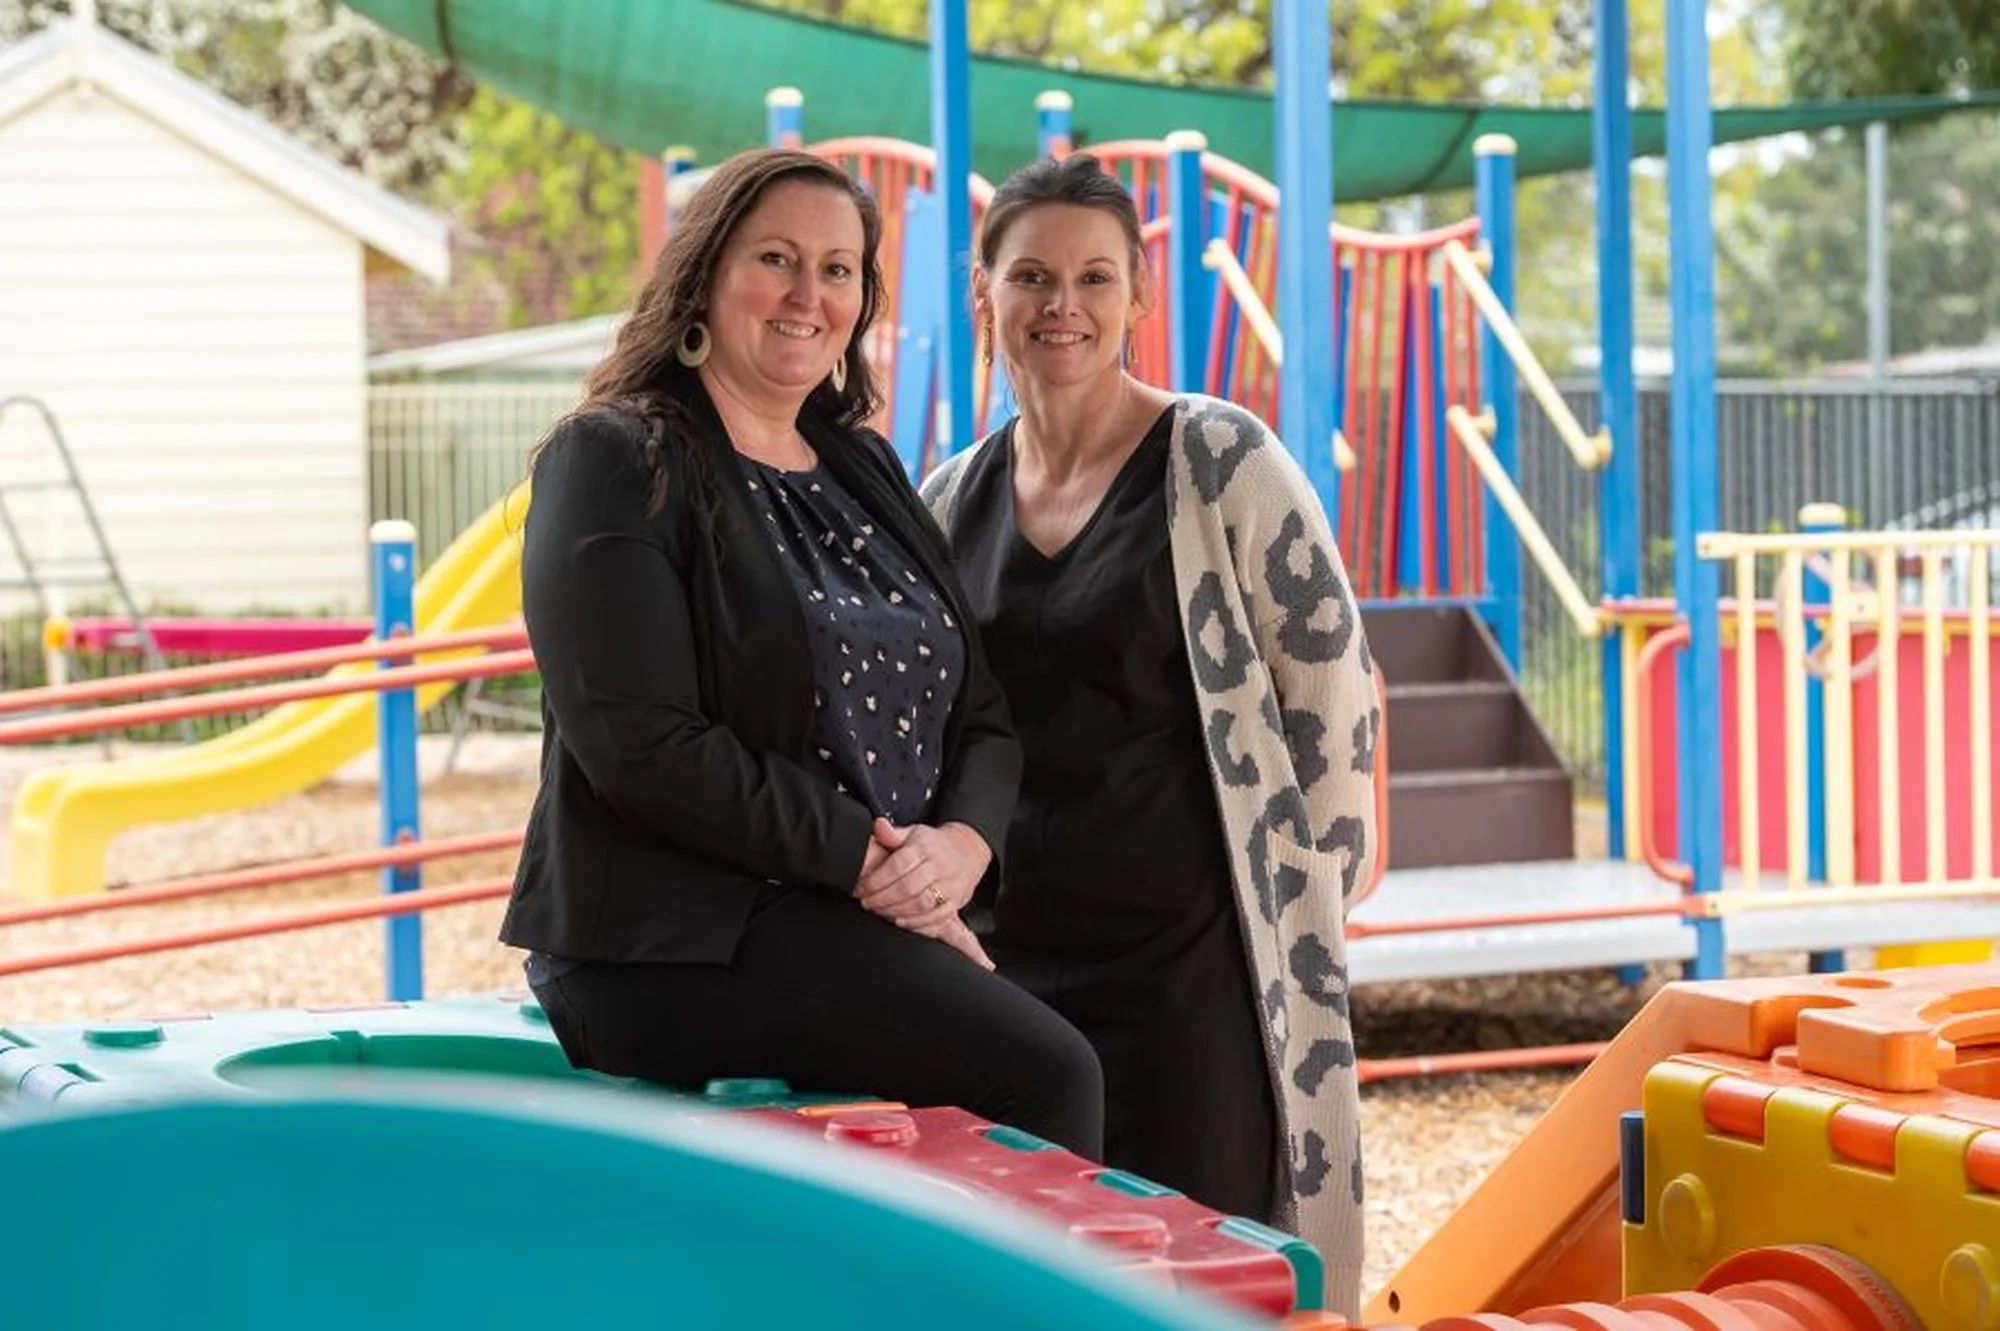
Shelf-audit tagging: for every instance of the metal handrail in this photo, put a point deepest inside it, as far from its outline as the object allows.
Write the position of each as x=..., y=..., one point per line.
x=260, y=667
x=269, y=695
x=345, y=912
x=1588, y=618
x=1218, y=258
x=1591, y=451
x=1659, y=646
x=401, y=855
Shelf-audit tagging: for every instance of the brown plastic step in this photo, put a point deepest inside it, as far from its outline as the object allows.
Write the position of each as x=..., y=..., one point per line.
x=1487, y=816
x=1482, y=724
x=1431, y=644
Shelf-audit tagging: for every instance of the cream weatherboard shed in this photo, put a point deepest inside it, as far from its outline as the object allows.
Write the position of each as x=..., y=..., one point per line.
x=183, y=285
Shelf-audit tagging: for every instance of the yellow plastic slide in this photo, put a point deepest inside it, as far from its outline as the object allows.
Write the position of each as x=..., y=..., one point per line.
x=65, y=817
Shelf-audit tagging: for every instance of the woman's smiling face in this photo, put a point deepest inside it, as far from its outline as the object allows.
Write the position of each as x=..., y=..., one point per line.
x=1062, y=291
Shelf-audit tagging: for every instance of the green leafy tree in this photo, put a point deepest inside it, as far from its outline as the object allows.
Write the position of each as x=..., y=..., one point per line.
x=1793, y=250
x=556, y=211
x=1796, y=283
x=317, y=70
x=1862, y=48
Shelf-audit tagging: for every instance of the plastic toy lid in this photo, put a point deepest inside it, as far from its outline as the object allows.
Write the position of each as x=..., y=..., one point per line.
x=873, y=1128
x=142, y=1035
x=1126, y=1231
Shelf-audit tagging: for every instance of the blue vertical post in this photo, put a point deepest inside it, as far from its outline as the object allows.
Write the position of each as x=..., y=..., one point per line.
x=395, y=549
x=951, y=139
x=911, y=418
x=1052, y=123
x=1411, y=464
x=1303, y=44
x=1814, y=519
x=1620, y=541
x=784, y=118
x=1493, y=180
x=1440, y=449
x=1187, y=281
x=675, y=162
x=1691, y=270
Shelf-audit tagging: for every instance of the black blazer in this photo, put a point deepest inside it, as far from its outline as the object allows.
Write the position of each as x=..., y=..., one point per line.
x=677, y=686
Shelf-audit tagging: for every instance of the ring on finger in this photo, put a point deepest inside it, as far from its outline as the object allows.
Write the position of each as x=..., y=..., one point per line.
x=935, y=897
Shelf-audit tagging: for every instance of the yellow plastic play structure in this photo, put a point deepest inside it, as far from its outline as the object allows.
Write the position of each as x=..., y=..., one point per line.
x=64, y=818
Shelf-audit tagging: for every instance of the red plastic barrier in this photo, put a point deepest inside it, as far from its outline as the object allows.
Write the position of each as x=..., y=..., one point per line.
x=1136, y=1224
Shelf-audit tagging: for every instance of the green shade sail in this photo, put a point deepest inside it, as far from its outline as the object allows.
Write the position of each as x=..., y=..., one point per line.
x=645, y=74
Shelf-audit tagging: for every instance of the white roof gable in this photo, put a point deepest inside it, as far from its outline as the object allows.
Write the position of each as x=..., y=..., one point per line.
x=575, y=347
x=77, y=54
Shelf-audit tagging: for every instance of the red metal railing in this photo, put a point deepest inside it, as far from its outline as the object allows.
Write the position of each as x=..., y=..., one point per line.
x=890, y=169
x=485, y=664
x=1391, y=347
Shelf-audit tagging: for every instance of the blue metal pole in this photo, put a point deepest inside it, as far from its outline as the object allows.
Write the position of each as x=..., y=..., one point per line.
x=1440, y=448
x=1052, y=123
x=1411, y=463
x=1186, y=280
x=1493, y=179
x=1303, y=44
x=1619, y=536
x=395, y=550
x=1691, y=276
x=1814, y=519
x=951, y=139
x=911, y=418
x=785, y=118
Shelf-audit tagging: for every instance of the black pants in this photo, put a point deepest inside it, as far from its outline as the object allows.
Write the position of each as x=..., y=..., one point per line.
x=1188, y=1097
x=832, y=998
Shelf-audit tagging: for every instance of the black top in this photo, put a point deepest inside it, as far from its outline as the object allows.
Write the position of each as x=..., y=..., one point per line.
x=677, y=684
x=887, y=654
x=1116, y=847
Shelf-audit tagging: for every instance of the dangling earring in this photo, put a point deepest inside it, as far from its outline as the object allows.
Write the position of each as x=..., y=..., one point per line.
x=837, y=376
x=1128, y=348
x=986, y=344
x=694, y=345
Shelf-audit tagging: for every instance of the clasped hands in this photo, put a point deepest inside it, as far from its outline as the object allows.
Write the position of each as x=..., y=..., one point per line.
x=919, y=878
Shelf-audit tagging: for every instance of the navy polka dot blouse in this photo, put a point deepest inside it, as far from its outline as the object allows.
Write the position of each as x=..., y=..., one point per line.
x=887, y=655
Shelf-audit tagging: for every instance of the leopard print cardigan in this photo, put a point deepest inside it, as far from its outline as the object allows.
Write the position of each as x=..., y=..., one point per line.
x=1283, y=678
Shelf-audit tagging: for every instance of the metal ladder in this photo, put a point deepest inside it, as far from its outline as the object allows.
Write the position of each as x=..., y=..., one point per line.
x=99, y=571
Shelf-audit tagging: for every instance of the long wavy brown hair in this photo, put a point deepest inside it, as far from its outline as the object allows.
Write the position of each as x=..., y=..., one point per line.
x=641, y=374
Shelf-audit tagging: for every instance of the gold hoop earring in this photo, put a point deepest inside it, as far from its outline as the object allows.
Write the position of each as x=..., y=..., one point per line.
x=694, y=345
x=837, y=376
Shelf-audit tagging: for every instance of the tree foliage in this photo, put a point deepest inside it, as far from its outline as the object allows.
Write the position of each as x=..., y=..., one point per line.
x=556, y=211
x=1793, y=249
x=546, y=214
x=313, y=68
x=1863, y=48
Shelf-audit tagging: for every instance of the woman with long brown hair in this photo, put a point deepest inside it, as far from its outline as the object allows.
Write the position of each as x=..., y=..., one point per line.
x=775, y=765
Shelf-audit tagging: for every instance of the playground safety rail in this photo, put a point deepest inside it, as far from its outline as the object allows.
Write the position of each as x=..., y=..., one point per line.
x=1221, y=260
x=477, y=654
x=1842, y=648
x=1591, y=451
x=1469, y=432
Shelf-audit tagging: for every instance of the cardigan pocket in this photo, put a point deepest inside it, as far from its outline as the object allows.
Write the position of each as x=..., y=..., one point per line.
x=1324, y=871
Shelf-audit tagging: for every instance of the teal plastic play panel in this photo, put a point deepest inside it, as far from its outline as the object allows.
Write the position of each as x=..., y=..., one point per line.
x=431, y=1210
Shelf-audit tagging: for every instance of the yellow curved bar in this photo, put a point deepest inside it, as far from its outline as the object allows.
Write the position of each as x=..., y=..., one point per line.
x=64, y=818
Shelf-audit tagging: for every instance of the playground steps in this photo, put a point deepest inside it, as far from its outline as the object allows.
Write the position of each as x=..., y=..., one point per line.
x=1473, y=777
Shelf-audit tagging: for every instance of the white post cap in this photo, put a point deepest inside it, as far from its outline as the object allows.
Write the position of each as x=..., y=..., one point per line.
x=1055, y=99
x=1494, y=145
x=1187, y=141
x=784, y=97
